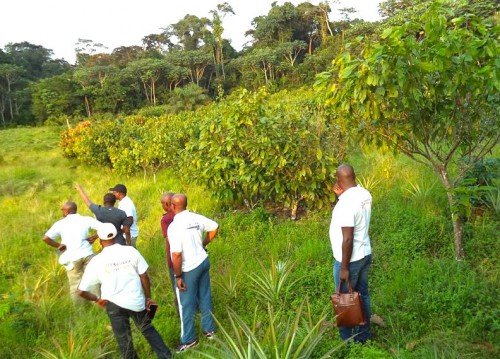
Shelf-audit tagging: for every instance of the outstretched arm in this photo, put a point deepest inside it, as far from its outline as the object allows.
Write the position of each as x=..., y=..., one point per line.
x=83, y=194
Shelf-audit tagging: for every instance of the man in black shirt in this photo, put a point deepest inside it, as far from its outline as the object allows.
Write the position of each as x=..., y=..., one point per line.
x=108, y=213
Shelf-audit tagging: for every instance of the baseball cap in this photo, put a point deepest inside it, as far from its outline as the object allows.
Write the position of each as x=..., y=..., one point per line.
x=119, y=188
x=106, y=231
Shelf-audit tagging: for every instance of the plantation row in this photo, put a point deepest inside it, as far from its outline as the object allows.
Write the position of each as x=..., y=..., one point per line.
x=254, y=148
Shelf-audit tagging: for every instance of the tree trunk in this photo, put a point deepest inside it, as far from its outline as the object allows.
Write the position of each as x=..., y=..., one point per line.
x=458, y=224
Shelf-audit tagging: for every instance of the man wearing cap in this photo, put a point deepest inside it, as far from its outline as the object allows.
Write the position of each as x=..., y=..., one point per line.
x=126, y=205
x=121, y=271
x=188, y=235
x=75, y=243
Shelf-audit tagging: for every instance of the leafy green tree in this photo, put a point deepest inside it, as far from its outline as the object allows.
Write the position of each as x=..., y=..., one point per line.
x=9, y=76
x=256, y=148
x=123, y=55
x=30, y=57
x=190, y=32
x=428, y=89
x=187, y=98
x=217, y=41
x=148, y=71
x=55, y=97
x=195, y=61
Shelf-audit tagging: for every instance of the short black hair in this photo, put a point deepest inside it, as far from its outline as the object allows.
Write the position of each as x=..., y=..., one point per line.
x=109, y=198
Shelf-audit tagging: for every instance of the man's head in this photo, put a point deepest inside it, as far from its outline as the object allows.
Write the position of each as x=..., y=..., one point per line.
x=68, y=208
x=166, y=201
x=106, y=233
x=120, y=191
x=179, y=203
x=109, y=200
x=345, y=176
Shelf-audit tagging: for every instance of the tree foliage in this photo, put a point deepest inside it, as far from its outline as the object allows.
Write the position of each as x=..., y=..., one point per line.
x=429, y=89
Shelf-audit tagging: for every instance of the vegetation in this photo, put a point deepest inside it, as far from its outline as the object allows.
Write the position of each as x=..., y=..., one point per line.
x=248, y=156
x=288, y=46
x=271, y=276
x=428, y=89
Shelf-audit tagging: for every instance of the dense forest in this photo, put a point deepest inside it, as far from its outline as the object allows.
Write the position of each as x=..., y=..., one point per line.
x=191, y=63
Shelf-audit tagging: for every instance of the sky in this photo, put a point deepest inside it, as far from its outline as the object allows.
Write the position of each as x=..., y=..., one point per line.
x=58, y=24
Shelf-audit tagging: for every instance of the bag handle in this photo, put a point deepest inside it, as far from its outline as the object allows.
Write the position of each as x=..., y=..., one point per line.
x=348, y=283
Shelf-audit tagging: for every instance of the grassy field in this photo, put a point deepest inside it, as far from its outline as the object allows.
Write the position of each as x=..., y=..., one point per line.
x=271, y=277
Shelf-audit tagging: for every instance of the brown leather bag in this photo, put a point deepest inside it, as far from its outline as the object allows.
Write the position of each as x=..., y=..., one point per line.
x=348, y=308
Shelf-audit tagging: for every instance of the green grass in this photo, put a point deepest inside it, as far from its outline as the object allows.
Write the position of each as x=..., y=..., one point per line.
x=434, y=307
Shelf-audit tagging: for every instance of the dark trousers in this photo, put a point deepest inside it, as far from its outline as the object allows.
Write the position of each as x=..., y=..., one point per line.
x=119, y=318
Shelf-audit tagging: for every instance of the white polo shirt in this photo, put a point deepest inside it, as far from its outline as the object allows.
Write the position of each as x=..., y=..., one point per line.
x=74, y=231
x=128, y=207
x=185, y=235
x=352, y=210
x=117, y=269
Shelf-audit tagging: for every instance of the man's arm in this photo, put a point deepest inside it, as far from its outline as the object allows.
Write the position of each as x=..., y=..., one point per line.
x=85, y=198
x=92, y=298
x=146, y=287
x=126, y=232
x=348, y=238
x=52, y=243
x=177, y=263
x=209, y=236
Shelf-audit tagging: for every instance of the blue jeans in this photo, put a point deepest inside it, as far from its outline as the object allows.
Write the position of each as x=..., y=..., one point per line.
x=197, y=293
x=119, y=318
x=358, y=276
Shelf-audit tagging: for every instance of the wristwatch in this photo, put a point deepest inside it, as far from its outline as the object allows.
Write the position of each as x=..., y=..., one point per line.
x=178, y=276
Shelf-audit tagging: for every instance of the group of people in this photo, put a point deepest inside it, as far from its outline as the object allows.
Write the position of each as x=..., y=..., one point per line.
x=117, y=279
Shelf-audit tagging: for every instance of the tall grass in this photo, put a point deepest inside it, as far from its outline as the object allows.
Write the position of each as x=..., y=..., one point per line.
x=434, y=306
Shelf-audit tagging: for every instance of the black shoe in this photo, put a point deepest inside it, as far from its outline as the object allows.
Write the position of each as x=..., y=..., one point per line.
x=183, y=347
x=209, y=335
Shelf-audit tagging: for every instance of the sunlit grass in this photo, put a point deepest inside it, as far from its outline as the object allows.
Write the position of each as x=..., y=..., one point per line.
x=262, y=267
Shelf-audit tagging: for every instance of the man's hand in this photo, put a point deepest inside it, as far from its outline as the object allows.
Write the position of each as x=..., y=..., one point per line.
x=92, y=238
x=338, y=191
x=181, y=284
x=344, y=275
x=101, y=303
x=61, y=248
x=149, y=301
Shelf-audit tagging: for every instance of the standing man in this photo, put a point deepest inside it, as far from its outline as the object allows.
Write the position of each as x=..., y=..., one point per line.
x=121, y=271
x=188, y=240
x=126, y=205
x=107, y=213
x=75, y=243
x=351, y=244
x=166, y=220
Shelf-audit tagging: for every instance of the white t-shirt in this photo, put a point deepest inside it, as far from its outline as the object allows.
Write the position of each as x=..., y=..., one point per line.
x=128, y=207
x=352, y=210
x=74, y=231
x=117, y=269
x=185, y=235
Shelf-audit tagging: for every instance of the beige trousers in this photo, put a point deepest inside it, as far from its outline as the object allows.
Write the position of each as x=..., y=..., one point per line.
x=75, y=276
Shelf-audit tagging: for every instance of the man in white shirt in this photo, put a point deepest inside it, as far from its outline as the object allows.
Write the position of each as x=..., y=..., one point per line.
x=126, y=205
x=121, y=272
x=188, y=235
x=351, y=245
x=75, y=245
